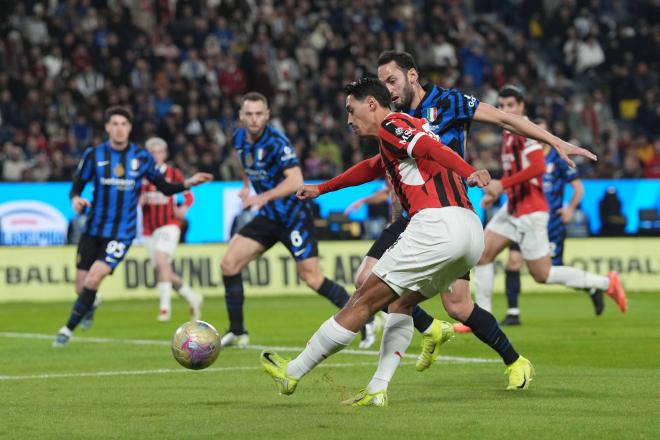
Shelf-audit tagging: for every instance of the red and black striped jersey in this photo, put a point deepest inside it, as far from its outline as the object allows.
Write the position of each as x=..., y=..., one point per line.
x=523, y=165
x=424, y=173
x=157, y=208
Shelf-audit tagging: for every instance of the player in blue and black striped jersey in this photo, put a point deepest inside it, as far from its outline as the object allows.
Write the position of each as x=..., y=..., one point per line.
x=116, y=168
x=272, y=168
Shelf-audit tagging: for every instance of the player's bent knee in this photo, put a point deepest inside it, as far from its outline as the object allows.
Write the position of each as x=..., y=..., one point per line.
x=229, y=267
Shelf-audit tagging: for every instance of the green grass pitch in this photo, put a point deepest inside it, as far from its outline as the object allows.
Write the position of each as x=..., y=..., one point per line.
x=596, y=378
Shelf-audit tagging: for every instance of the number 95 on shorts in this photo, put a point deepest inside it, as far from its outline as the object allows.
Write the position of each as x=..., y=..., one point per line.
x=108, y=250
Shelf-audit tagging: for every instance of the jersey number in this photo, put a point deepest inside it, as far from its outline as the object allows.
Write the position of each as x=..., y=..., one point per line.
x=296, y=239
x=115, y=248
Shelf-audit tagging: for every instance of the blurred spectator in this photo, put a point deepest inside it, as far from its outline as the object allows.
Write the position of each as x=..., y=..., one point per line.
x=588, y=67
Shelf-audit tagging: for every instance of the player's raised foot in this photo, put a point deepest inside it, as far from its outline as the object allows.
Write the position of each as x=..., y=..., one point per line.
x=364, y=398
x=164, y=315
x=88, y=320
x=615, y=291
x=520, y=373
x=275, y=366
x=596, y=296
x=62, y=338
x=440, y=333
x=461, y=328
x=231, y=339
x=368, y=335
x=510, y=319
x=196, y=307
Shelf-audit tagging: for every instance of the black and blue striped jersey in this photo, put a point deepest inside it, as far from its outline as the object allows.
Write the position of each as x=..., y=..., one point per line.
x=117, y=178
x=264, y=162
x=557, y=175
x=449, y=113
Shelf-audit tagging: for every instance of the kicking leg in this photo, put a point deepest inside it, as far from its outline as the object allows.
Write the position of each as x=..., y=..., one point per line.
x=333, y=335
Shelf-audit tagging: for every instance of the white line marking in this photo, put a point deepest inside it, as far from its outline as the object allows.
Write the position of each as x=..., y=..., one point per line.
x=350, y=351
x=167, y=371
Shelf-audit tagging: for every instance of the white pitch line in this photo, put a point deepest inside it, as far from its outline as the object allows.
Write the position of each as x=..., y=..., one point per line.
x=165, y=371
x=454, y=359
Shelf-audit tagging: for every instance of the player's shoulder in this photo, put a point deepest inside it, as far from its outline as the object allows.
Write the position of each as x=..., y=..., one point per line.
x=276, y=136
x=238, y=138
x=397, y=119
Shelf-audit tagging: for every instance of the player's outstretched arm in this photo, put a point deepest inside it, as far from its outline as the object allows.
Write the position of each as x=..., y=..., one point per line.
x=524, y=127
x=293, y=179
x=169, y=188
x=380, y=196
x=362, y=172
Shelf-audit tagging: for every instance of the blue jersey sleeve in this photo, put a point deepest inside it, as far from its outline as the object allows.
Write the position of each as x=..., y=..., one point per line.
x=149, y=169
x=455, y=107
x=568, y=174
x=86, y=169
x=285, y=155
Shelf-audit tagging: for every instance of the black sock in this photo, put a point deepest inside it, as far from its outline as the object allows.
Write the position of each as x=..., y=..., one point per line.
x=421, y=319
x=512, y=286
x=334, y=293
x=234, y=299
x=485, y=327
x=83, y=304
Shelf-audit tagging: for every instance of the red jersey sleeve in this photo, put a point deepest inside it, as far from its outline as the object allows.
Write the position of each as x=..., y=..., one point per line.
x=414, y=142
x=533, y=153
x=365, y=171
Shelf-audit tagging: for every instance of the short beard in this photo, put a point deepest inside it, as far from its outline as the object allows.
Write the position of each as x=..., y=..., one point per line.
x=406, y=97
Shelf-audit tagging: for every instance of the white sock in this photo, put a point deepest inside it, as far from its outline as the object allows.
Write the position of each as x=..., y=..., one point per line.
x=186, y=293
x=513, y=311
x=165, y=290
x=397, y=335
x=484, y=275
x=328, y=339
x=576, y=278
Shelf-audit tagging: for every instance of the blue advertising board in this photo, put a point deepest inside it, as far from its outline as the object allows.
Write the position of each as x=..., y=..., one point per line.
x=37, y=213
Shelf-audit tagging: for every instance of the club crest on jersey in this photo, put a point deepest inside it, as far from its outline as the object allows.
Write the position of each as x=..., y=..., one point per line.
x=431, y=114
x=135, y=164
x=119, y=170
x=249, y=160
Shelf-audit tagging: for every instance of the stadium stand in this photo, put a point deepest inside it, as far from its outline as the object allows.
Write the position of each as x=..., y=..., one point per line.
x=588, y=67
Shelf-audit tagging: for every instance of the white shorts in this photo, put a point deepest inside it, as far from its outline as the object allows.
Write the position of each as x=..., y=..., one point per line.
x=163, y=239
x=530, y=231
x=438, y=246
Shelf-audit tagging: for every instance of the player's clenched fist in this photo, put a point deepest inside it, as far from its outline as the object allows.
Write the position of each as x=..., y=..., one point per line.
x=78, y=204
x=308, y=192
x=479, y=178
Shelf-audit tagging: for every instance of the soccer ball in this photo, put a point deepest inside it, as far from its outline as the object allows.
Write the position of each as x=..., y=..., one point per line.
x=196, y=345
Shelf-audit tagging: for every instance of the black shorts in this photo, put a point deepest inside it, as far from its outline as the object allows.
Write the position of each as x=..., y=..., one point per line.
x=109, y=250
x=389, y=236
x=300, y=239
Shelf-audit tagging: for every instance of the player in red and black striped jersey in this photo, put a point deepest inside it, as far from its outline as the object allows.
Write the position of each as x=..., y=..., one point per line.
x=160, y=210
x=162, y=218
x=524, y=220
x=442, y=242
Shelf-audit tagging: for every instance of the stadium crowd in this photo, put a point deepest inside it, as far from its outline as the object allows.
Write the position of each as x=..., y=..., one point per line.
x=588, y=67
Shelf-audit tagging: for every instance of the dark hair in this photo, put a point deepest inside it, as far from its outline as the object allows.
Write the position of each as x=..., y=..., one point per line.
x=404, y=60
x=510, y=90
x=118, y=110
x=367, y=86
x=254, y=96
